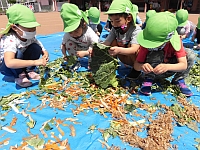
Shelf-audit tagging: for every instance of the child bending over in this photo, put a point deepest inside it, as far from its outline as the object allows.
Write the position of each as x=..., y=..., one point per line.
x=162, y=53
x=122, y=37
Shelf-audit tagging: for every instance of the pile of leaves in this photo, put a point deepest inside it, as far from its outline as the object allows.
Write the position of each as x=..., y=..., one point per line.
x=194, y=76
x=62, y=87
x=103, y=66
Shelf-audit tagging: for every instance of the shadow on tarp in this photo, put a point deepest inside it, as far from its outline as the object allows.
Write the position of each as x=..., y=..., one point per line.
x=183, y=136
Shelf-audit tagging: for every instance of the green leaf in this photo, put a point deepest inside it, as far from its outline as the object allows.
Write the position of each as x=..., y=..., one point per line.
x=106, y=135
x=47, y=127
x=31, y=124
x=103, y=66
x=36, y=142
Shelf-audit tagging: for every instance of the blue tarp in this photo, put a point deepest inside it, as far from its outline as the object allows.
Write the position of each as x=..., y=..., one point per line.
x=183, y=136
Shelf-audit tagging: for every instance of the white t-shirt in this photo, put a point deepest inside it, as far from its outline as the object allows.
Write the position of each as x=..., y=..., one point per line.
x=85, y=41
x=11, y=43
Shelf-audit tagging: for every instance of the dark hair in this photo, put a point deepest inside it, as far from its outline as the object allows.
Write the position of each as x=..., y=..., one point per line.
x=125, y=15
x=11, y=30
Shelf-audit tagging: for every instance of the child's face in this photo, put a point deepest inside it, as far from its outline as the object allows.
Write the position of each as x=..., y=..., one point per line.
x=24, y=33
x=77, y=32
x=23, y=29
x=118, y=21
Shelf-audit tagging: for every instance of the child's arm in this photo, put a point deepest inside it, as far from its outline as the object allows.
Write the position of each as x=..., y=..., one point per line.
x=124, y=51
x=12, y=62
x=146, y=67
x=106, y=26
x=44, y=51
x=194, y=35
x=178, y=67
x=63, y=49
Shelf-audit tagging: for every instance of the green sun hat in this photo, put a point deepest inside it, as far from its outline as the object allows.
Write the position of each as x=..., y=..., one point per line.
x=71, y=16
x=22, y=15
x=122, y=6
x=198, y=25
x=149, y=14
x=160, y=29
x=94, y=14
x=135, y=8
x=182, y=17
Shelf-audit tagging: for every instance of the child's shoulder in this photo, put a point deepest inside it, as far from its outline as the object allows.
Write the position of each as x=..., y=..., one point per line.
x=89, y=31
x=9, y=36
x=135, y=29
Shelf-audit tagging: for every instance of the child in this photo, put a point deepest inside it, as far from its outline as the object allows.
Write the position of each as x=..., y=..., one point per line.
x=20, y=47
x=122, y=36
x=138, y=21
x=162, y=53
x=108, y=25
x=79, y=37
x=93, y=15
x=148, y=15
x=185, y=27
x=197, y=35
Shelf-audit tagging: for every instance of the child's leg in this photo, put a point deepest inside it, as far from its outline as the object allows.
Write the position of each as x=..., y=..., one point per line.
x=12, y=72
x=33, y=52
x=153, y=58
x=180, y=76
x=190, y=62
x=128, y=60
x=8, y=71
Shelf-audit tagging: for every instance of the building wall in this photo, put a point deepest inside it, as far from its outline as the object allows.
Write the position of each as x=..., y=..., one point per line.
x=141, y=4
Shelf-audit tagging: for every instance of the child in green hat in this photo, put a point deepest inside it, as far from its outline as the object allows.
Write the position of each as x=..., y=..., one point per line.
x=185, y=27
x=79, y=37
x=162, y=53
x=148, y=15
x=20, y=50
x=122, y=37
x=197, y=35
x=93, y=15
x=138, y=19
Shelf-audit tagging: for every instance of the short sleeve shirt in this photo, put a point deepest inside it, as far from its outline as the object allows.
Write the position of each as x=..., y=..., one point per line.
x=124, y=39
x=169, y=52
x=85, y=41
x=11, y=43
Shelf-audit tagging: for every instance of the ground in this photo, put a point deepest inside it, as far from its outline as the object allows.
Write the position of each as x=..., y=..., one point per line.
x=51, y=22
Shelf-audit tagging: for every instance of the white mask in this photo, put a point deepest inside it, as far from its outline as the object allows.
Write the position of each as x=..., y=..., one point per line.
x=27, y=35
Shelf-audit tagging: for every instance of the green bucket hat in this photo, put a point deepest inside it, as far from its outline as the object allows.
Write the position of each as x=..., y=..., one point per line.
x=94, y=14
x=135, y=8
x=160, y=28
x=182, y=17
x=198, y=25
x=149, y=14
x=122, y=6
x=22, y=15
x=71, y=16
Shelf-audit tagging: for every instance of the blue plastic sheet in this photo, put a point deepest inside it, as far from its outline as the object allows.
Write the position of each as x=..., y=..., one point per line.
x=183, y=136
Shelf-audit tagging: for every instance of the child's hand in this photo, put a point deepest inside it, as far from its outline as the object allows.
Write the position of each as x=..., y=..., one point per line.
x=160, y=69
x=45, y=55
x=114, y=50
x=40, y=62
x=65, y=58
x=81, y=54
x=147, y=68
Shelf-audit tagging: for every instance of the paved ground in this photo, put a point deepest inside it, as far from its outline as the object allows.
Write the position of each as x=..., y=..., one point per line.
x=52, y=23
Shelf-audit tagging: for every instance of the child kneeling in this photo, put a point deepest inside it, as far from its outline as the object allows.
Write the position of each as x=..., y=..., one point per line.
x=162, y=53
